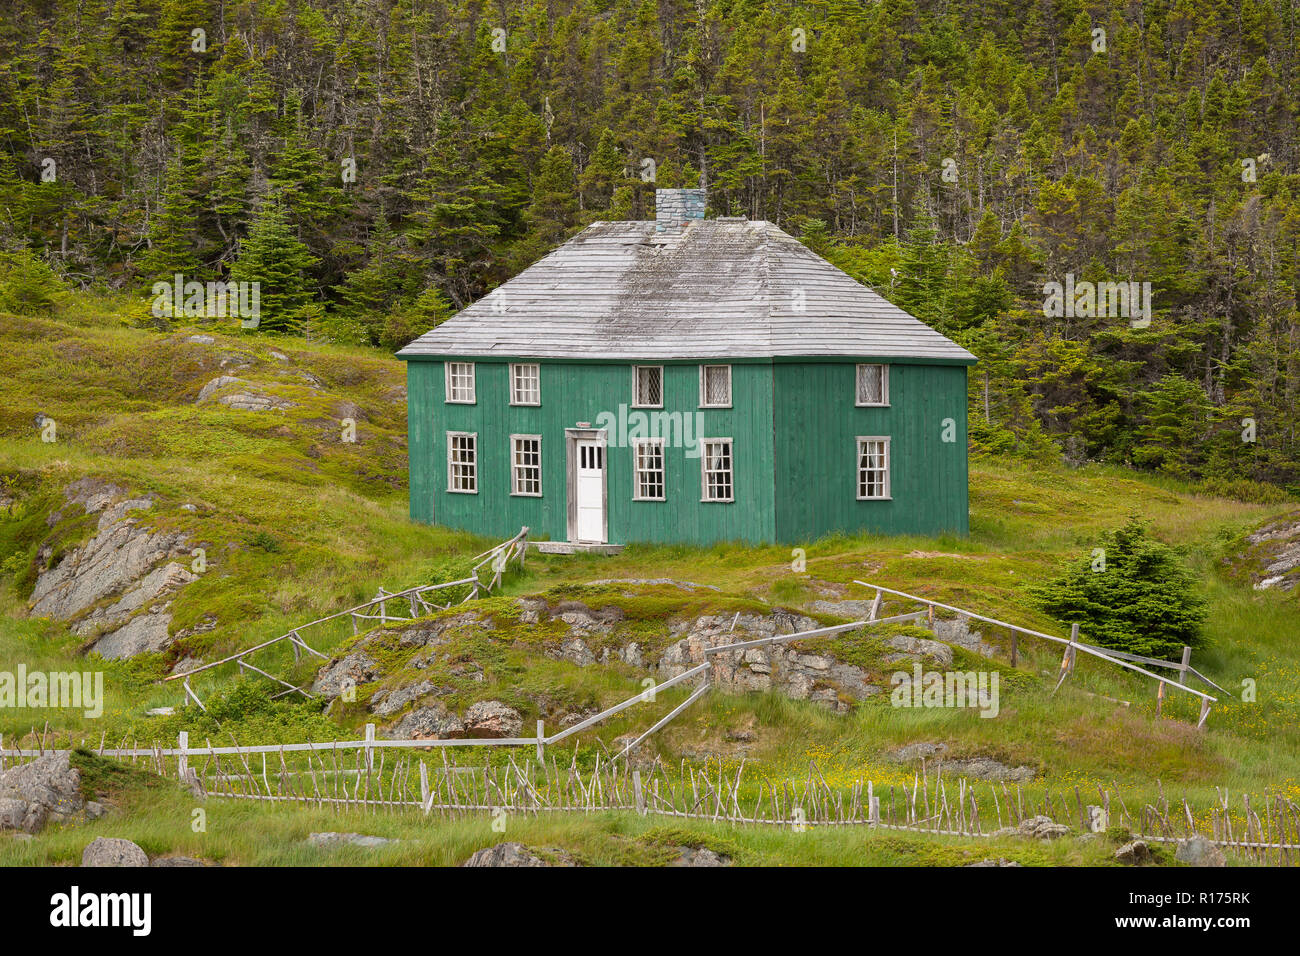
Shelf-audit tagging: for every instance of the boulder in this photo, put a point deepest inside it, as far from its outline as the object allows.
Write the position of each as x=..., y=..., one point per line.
x=1035, y=828
x=999, y=861
x=363, y=840
x=49, y=781
x=492, y=718
x=1200, y=851
x=110, y=851
x=505, y=854
x=12, y=813
x=700, y=856
x=1134, y=853
x=434, y=721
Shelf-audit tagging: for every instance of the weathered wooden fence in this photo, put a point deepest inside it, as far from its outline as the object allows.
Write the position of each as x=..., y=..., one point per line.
x=421, y=600
x=1072, y=646
x=365, y=776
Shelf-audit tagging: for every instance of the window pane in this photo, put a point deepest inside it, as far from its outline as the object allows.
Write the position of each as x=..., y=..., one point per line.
x=648, y=460
x=526, y=384
x=717, y=471
x=649, y=385
x=460, y=381
x=873, y=469
x=717, y=385
x=871, y=384
x=527, y=467
x=462, y=463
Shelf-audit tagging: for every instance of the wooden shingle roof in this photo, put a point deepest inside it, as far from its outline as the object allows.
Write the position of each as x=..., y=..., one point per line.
x=711, y=289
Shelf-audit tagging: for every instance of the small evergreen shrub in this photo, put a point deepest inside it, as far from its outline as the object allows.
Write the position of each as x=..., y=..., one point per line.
x=1132, y=594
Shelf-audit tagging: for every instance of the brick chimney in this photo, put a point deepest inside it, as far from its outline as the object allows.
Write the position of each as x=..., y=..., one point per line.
x=673, y=207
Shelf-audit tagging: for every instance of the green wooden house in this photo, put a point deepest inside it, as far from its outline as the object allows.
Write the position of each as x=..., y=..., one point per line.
x=686, y=380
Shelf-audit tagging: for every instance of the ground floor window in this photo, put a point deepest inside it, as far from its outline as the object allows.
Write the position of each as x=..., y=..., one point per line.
x=648, y=469
x=716, y=478
x=462, y=462
x=873, y=467
x=526, y=465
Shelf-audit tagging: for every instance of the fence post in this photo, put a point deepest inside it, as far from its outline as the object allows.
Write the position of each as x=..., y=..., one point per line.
x=638, y=793
x=1015, y=647
x=424, y=784
x=541, y=742
x=370, y=744
x=1186, y=663
x=182, y=759
x=1067, y=659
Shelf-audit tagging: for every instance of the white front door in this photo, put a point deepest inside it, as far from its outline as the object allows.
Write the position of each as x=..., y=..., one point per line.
x=589, y=490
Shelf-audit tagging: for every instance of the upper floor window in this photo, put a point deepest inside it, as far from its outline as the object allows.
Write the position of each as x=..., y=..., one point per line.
x=716, y=476
x=460, y=382
x=462, y=462
x=525, y=384
x=873, y=468
x=715, y=386
x=873, y=385
x=648, y=390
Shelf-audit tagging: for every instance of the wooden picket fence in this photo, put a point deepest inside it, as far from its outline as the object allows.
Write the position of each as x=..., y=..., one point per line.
x=364, y=776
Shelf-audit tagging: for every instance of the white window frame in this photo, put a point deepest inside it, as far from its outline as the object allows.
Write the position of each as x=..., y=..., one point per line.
x=515, y=466
x=451, y=484
x=636, y=386
x=637, y=470
x=704, y=470
x=858, y=469
x=449, y=382
x=704, y=389
x=884, y=385
x=514, y=382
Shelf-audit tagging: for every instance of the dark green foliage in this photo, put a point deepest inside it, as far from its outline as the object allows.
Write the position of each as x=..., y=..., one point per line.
x=274, y=257
x=954, y=156
x=1135, y=595
x=28, y=286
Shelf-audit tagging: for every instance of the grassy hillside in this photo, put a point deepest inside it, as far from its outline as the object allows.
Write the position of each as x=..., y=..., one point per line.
x=296, y=523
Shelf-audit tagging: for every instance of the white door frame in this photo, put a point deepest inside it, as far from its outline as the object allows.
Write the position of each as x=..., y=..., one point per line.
x=571, y=438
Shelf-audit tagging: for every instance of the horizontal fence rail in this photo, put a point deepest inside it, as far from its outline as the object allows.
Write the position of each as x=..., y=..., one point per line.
x=1072, y=644
x=497, y=559
x=352, y=775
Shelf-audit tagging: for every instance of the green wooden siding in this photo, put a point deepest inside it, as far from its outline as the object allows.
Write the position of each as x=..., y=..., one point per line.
x=580, y=392
x=794, y=427
x=817, y=425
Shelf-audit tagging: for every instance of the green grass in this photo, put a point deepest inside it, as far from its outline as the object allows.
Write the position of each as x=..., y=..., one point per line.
x=296, y=524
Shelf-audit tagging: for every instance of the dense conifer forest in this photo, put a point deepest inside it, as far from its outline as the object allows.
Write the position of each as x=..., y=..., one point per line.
x=379, y=164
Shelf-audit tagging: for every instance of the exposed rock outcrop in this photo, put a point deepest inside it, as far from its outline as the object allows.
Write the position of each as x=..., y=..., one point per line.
x=124, y=558
x=46, y=789
x=511, y=854
x=235, y=392
x=1278, y=544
